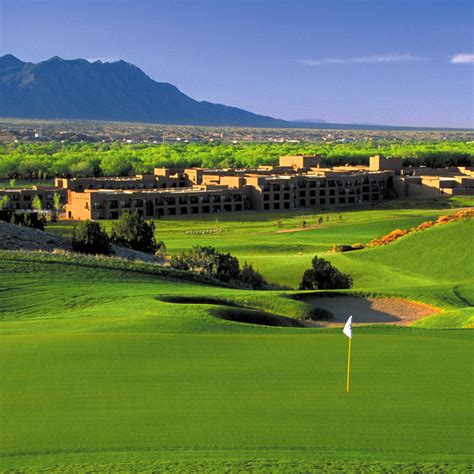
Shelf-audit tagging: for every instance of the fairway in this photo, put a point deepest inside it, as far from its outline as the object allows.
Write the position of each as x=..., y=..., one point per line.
x=277, y=244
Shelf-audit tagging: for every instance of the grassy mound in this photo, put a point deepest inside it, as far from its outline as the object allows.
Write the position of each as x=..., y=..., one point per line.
x=435, y=266
x=277, y=245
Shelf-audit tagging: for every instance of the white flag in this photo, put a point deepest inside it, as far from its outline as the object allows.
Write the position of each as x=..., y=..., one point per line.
x=348, y=328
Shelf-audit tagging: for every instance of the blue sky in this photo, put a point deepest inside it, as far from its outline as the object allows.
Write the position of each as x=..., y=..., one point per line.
x=401, y=62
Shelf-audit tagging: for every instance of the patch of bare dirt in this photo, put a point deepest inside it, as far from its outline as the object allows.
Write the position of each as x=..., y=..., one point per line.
x=370, y=310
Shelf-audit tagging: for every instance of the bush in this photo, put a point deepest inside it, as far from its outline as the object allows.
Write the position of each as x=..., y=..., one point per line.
x=131, y=231
x=28, y=219
x=323, y=276
x=250, y=278
x=209, y=262
x=89, y=237
x=389, y=238
x=424, y=226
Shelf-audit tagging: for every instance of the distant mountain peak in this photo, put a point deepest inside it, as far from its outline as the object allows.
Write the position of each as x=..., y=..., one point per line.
x=9, y=60
x=120, y=91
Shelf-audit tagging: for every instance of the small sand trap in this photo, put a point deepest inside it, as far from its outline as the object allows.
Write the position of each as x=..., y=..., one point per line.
x=370, y=310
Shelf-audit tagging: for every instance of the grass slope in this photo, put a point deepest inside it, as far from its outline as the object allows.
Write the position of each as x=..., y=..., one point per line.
x=435, y=266
x=282, y=257
x=100, y=374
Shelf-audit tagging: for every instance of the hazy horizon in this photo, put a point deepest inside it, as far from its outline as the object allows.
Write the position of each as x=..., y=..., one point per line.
x=384, y=62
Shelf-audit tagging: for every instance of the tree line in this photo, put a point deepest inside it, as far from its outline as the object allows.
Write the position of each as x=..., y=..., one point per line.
x=47, y=160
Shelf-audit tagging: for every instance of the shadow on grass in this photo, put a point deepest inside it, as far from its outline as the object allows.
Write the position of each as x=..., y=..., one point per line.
x=231, y=311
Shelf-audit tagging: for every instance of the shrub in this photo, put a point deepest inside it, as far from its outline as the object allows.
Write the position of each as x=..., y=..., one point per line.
x=443, y=219
x=250, y=278
x=131, y=231
x=324, y=276
x=224, y=267
x=209, y=262
x=89, y=237
x=389, y=238
x=424, y=226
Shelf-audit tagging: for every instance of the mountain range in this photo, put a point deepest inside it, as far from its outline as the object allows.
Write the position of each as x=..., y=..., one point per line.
x=116, y=91
x=119, y=91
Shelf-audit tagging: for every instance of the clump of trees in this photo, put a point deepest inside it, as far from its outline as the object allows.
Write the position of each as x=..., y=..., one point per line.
x=133, y=232
x=207, y=261
x=89, y=237
x=130, y=231
x=324, y=276
x=45, y=160
x=28, y=219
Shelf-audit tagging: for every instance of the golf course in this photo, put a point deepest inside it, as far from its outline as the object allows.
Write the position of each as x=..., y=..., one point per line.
x=120, y=366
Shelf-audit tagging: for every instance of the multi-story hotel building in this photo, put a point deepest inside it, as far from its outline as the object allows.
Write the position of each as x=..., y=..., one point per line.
x=297, y=182
x=22, y=198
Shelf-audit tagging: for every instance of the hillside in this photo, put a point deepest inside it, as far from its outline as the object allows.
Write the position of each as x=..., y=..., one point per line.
x=435, y=266
x=16, y=237
x=117, y=91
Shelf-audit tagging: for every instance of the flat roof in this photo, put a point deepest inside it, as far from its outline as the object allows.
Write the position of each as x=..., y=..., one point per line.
x=160, y=191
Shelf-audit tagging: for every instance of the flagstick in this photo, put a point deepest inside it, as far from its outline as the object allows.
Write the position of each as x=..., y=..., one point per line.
x=348, y=365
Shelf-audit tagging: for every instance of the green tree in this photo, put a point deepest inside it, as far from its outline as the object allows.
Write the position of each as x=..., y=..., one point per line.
x=89, y=237
x=4, y=200
x=37, y=204
x=324, y=276
x=132, y=231
x=12, y=183
x=57, y=206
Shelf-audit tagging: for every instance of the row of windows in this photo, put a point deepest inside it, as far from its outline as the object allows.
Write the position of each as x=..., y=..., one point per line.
x=173, y=211
x=27, y=197
x=320, y=184
x=170, y=201
x=321, y=202
x=322, y=193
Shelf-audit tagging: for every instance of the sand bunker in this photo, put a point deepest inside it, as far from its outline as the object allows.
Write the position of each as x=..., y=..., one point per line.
x=370, y=310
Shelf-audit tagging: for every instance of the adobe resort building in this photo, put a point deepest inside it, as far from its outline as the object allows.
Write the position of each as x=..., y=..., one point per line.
x=297, y=182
